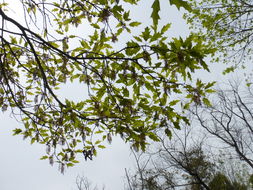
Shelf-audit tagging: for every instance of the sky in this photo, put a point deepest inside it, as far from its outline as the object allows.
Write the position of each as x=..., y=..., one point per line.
x=20, y=167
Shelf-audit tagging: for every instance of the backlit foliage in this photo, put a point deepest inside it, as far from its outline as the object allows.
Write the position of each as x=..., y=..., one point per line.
x=131, y=87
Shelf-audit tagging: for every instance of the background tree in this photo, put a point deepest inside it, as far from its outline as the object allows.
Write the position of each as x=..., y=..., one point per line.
x=189, y=167
x=213, y=153
x=229, y=119
x=228, y=24
x=82, y=183
x=128, y=85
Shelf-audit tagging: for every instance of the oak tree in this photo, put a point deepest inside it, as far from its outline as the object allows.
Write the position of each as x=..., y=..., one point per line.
x=130, y=87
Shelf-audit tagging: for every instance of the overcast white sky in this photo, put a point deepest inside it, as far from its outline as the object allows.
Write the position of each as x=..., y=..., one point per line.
x=20, y=167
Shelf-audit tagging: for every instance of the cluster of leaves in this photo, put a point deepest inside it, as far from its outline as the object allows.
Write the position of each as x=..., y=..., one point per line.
x=130, y=90
x=228, y=23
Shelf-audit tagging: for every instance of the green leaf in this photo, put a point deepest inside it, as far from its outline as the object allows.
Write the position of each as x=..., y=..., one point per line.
x=17, y=131
x=174, y=102
x=70, y=164
x=146, y=34
x=176, y=125
x=168, y=133
x=43, y=157
x=165, y=28
x=101, y=146
x=210, y=84
x=134, y=24
x=228, y=70
x=181, y=3
x=207, y=102
x=75, y=161
x=153, y=137
x=155, y=12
